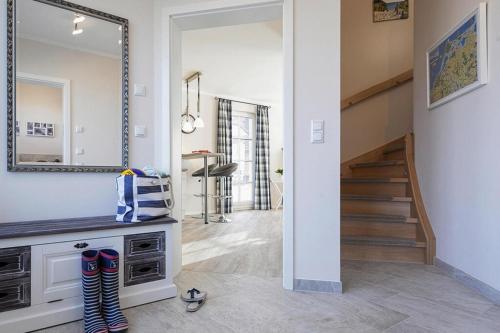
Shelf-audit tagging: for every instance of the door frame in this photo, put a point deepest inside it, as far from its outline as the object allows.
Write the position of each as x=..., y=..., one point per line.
x=65, y=86
x=168, y=135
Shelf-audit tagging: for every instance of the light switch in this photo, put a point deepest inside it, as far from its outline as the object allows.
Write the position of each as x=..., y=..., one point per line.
x=140, y=131
x=79, y=129
x=79, y=151
x=317, y=131
x=139, y=90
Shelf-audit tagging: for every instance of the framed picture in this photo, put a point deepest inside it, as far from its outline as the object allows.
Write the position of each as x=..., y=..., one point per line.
x=389, y=10
x=458, y=62
x=40, y=129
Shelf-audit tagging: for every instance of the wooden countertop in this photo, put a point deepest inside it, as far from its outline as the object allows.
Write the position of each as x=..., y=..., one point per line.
x=200, y=155
x=64, y=226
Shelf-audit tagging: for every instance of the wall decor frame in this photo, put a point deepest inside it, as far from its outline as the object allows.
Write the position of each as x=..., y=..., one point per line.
x=384, y=10
x=12, y=165
x=462, y=50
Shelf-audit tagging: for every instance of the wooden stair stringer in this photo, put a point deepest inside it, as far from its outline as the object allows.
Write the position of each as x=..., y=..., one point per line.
x=418, y=207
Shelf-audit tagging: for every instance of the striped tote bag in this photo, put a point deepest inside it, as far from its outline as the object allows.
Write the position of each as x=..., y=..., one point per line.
x=143, y=198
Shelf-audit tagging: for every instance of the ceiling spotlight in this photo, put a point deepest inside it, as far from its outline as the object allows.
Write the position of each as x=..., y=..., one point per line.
x=77, y=31
x=119, y=28
x=119, y=42
x=78, y=19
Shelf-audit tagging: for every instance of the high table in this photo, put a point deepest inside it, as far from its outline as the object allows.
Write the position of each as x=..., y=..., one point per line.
x=205, y=157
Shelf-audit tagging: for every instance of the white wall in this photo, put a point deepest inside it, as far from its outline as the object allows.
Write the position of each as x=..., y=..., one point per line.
x=75, y=195
x=317, y=167
x=43, y=104
x=95, y=96
x=457, y=150
x=206, y=138
x=372, y=53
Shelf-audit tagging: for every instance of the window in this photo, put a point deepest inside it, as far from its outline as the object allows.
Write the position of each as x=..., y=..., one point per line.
x=244, y=155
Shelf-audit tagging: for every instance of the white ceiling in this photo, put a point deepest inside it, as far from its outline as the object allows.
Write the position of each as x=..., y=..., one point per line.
x=240, y=61
x=54, y=25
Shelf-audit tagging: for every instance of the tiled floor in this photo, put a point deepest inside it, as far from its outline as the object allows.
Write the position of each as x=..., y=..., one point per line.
x=234, y=264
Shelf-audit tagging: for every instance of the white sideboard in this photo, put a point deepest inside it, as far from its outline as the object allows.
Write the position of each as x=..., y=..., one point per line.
x=40, y=267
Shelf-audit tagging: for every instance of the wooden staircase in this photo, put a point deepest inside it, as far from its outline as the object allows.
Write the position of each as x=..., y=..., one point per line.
x=383, y=216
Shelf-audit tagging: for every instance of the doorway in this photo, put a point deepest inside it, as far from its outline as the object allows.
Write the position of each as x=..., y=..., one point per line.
x=224, y=14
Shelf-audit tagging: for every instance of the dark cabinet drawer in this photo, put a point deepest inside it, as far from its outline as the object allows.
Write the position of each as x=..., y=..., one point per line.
x=144, y=245
x=15, y=263
x=14, y=294
x=143, y=271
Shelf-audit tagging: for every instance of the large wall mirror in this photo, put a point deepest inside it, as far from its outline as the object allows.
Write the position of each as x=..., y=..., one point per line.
x=67, y=88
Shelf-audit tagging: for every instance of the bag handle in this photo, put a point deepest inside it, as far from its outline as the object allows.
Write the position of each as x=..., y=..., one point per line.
x=169, y=183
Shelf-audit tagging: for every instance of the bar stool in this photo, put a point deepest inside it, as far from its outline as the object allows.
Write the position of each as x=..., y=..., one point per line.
x=204, y=192
x=223, y=172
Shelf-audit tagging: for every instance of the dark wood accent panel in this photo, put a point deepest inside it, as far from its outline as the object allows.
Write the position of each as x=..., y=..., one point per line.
x=144, y=245
x=15, y=263
x=144, y=271
x=14, y=294
x=63, y=226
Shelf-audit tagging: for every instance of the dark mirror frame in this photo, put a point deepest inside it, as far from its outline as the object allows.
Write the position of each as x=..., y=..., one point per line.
x=11, y=91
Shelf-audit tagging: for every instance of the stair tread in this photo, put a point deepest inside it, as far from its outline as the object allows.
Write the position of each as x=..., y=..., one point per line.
x=373, y=180
x=376, y=198
x=378, y=218
x=378, y=164
x=394, y=149
x=381, y=241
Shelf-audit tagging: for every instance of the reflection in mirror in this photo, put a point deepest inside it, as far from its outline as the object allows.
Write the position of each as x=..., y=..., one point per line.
x=68, y=90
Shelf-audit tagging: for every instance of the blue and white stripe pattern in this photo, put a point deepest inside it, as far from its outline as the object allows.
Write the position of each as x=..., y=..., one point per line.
x=143, y=198
x=111, y=312
x=91, y=293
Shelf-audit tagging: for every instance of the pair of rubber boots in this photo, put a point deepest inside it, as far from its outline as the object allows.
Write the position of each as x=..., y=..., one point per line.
x=100, y=277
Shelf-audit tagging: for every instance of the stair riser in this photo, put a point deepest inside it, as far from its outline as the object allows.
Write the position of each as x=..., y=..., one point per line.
x=376, y=207
x=383, y=253
x=393, y=171
x=391, y=189
x=379, y=229
x=395, y=155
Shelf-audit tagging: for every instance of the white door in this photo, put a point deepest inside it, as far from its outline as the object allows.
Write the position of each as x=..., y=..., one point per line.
x=244, y=155
x=56, y=268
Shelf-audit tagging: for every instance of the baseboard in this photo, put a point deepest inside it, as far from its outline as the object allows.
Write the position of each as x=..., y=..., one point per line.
x=471, y=282
x=331, y=287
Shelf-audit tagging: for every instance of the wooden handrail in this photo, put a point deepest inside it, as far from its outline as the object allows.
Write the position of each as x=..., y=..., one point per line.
x=377, y=89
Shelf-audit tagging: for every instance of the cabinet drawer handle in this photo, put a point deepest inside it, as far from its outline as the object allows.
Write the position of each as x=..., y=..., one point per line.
x=145, y=269
x=3, y=264
x=81, y=245
x=2, y=295
x=145, y=245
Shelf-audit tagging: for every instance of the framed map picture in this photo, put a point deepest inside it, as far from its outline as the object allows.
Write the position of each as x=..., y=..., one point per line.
x=388, y=10
x=458, y=63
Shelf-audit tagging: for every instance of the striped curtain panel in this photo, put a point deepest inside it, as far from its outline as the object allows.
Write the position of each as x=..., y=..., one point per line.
x=225, y=146
x=262, y=187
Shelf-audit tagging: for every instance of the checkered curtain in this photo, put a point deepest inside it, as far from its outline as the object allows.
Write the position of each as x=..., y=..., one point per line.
x=225, y=146
x=262, y=187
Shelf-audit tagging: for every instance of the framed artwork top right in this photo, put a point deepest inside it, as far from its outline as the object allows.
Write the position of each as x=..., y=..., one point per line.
x=390, y=10
x=458, y=62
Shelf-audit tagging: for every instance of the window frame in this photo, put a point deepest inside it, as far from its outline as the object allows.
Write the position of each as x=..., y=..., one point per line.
x=246, y=205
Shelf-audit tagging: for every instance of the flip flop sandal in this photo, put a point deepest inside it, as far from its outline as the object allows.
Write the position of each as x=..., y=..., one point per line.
x=194, y=295
x=195, y=306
